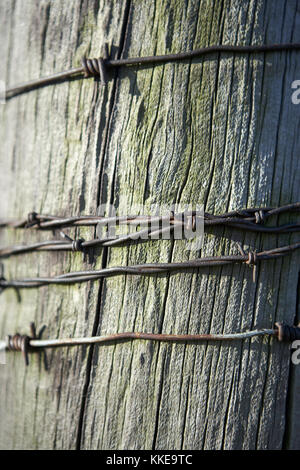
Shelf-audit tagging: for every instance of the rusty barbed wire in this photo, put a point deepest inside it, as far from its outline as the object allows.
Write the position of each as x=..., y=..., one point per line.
x=245, y=219
x=33, y=343
x=252, y=216
x=251, y=259
x=99, y=66
x=22, y=343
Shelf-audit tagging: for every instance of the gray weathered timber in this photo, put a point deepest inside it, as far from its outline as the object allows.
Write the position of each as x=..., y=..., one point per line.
x=220, y=131
x=50, y=139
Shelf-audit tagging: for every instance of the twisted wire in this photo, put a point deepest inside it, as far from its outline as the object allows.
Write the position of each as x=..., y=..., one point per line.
x=251, y=259
x=246, y=219
x=21, y=343
x=250, y=216
x=95, y=67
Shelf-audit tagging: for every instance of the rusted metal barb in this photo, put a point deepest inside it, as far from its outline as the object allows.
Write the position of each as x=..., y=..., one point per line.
x=22, y=343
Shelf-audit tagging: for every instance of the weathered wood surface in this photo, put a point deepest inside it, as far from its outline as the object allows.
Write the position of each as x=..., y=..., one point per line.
x=221, y=131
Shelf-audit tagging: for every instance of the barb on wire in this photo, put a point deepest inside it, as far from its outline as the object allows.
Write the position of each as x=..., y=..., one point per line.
x=22, y=343
x=251, y=259
x=98, y=67
x=245, y=219
x=27, y=344
x=252, y=217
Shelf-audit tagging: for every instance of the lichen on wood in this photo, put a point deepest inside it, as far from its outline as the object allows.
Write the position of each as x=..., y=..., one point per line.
x=219, y=131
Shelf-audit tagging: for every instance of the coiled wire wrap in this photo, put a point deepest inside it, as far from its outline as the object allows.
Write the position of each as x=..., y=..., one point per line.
x=95, y=67
x=287, y=333
x=21, y=343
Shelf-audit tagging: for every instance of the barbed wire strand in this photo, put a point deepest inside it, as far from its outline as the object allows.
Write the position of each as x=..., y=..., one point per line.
x=255, y=216
x=251, y=259
x=34, y=343
x=98, y=67
x=249, y=219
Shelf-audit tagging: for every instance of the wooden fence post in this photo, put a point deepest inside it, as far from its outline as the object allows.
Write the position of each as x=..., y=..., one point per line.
x=221, y=131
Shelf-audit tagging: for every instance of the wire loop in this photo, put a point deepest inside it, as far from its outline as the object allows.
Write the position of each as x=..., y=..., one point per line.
x=252, y=258
x=77, y=245
x=96, y=67
x=21, y=343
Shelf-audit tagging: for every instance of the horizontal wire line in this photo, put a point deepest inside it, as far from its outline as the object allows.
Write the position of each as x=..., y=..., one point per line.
x=50, y=222
x=26, y=344
x=147, y=336
x=97, y=67
x=150, y=268
x=243, y=219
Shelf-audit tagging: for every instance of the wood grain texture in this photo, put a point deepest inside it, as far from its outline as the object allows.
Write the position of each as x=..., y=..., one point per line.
x=220, y=131
x=49, y=141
